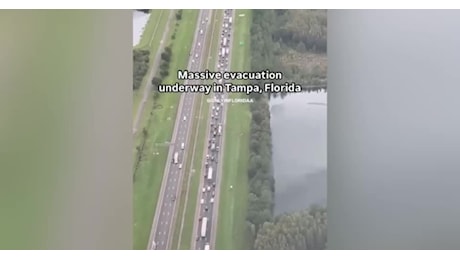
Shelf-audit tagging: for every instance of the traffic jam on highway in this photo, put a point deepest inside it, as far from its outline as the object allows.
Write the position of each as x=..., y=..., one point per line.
x=208, y=191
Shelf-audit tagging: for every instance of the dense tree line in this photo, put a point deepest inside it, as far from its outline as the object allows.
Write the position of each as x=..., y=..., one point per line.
x=267, y=232
x=302, y=230
x=140, y=66
x=281, y=38
x=166, y=56
x=301, y=29
x=260, y=171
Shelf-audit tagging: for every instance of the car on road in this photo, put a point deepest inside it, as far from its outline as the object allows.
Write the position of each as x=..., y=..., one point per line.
x=213, y=194
x=204, y=190
x=196, y=55
x=206, y=208
x=185, y=118
x=180, y=166
x=202, y=201
x=209, y=188
x=182, y=146
x=214, y=185
x=212, y=200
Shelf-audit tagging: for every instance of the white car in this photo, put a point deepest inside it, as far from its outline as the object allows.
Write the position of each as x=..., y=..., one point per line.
x=209, y=188
x=212, y=200
x=185, y=118
x=196, y=55
x=204, y=190
x=180, y=166
x=182, y=146
x=202, y=201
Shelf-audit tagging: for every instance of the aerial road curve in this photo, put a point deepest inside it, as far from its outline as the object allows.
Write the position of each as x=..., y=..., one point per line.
x=163, y=223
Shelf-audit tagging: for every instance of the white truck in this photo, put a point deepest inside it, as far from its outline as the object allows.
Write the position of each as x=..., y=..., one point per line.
x=210, y=173
x=204, y=225
x=225, y=41
x=223, y=52
x=227, y=50
x=176, y=157
x=219, y=129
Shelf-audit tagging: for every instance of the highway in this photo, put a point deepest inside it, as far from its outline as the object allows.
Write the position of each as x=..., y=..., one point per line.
x=207, y=204
x=163, y=223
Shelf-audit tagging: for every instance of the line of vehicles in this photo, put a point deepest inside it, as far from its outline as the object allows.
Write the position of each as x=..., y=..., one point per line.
x=215, y=137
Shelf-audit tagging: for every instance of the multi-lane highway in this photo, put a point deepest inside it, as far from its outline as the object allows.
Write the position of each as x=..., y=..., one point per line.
x=163, y=223
x=207, y=204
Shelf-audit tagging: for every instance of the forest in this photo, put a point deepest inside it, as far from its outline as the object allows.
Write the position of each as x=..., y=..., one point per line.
x=293, y=42
x=302, y=230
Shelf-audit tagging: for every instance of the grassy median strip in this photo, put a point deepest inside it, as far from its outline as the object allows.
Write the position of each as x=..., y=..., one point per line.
x=149, y=175
x=231, y=227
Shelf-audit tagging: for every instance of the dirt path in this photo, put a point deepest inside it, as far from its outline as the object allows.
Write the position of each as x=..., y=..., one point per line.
x=149, y=76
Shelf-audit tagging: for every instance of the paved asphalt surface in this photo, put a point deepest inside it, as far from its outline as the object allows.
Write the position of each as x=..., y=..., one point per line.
x=208, y=199
x=162, y=228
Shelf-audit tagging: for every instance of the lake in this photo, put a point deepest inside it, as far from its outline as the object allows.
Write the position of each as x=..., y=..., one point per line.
x=299, y=137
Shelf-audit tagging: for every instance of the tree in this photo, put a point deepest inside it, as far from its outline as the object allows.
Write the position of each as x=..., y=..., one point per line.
x=166, y=56
x=179, y=15
x=156, y=81
x=299, y=231
x=301, y=47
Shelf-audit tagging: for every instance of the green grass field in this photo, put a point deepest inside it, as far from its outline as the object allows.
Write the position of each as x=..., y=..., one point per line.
x=150, y=40
x=231, y=232
x=149, y=175
x=190, y=208
x=146, y=115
